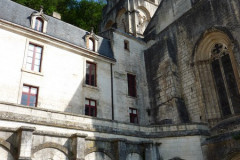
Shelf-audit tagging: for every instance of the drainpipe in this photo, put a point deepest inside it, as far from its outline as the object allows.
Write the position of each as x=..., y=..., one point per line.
x=112, y=91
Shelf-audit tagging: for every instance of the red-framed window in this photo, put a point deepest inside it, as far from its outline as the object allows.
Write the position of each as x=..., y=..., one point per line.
x=29, y=96
x=131, y=85
x=34, y=58
x=90, y=107
x=91, y=75
x=133, y=113
x=38, y=25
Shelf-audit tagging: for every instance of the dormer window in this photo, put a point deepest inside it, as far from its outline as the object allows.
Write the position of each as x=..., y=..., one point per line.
x=91, y=41
x=38, y=24
x=39, y=21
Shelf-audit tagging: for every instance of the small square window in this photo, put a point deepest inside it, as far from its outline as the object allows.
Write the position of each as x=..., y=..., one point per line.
x=29, y=96
x=131, y=85
x=126, y=45
x=133, y=113
x=90, y=107
x=34, y=58
x=91, y=74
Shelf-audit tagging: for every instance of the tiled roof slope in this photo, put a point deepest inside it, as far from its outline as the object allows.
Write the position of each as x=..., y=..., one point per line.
x=21, y=15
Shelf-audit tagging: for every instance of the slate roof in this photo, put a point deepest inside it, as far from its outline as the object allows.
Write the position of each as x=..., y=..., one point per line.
x=21, y=15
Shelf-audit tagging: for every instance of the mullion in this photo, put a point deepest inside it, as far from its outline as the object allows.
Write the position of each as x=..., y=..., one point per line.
x=33, y=58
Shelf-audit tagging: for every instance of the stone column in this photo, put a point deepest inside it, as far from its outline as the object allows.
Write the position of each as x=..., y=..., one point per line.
x=149, y=154
x=25, y=135
x=120, y=149
x=78, y=146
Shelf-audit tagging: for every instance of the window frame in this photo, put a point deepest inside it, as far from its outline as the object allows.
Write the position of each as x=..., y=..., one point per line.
x=89, y=79
x=90, y=106
x=29, y=94
x=36, y=28
x=132, y=85
x=132, y=115
x=93, y=41
x=34, y=58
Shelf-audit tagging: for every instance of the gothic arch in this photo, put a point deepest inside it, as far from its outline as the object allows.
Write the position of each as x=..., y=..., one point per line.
x=121, y=20
x=96, y=149
x=8, y=147
x=212, y=75
x=108, y=25
x=143, y=19
x=54, y=146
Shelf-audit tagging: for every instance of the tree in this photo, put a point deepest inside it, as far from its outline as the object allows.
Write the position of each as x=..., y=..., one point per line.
x=84, y=14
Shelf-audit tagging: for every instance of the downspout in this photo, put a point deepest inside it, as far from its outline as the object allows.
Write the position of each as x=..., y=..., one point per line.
x=112, y=92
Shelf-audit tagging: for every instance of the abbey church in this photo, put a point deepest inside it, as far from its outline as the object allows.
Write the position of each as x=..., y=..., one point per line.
x=159, y=81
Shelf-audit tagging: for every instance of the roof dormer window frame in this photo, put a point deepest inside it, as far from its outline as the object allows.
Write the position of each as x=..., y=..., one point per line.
x=39, y=16
x=92, y=38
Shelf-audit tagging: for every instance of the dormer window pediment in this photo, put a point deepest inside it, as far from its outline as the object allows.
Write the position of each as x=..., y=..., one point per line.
x=92, y=41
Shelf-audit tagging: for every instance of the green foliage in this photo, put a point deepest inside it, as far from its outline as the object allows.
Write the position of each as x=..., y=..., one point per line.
x=84, y=14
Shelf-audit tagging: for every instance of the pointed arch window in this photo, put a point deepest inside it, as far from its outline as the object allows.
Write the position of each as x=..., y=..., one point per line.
x=225, y=81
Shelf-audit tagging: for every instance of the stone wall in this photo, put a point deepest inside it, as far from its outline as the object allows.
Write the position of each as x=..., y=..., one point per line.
x=175, y=47
x=61, y=82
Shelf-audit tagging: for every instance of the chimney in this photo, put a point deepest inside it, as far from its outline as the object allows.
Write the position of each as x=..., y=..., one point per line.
x=56, y=15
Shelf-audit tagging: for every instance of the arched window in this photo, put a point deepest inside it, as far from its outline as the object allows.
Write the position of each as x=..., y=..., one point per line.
x=38, y=24
x=217, y=77
x=91, y=44
x=225, y=81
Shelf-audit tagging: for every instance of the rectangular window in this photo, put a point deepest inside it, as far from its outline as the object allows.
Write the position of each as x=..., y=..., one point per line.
x=29, y=96
x=133, y=113
x=131, y=85
x=126, y=45
x=34, y=57
x=91, y=74
x=90, y=107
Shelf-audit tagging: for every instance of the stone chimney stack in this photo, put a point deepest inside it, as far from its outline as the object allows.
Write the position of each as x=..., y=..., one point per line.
x=56, y=15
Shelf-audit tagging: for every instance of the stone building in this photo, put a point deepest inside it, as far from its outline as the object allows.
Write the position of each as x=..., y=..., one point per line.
x=159, y=82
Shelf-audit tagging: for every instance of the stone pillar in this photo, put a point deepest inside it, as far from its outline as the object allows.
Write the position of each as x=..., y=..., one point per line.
x=120, y=149
x=25, y=135
x=149, y=153
x=78, y=146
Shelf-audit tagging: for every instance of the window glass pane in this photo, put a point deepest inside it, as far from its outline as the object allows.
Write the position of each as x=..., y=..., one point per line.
x=86, y=110
x=25, y=89
x=29, y=59
x=28, y=66
x=31, y=47
x=87, y=101
x=39, y=49
x=91, y=44
x=32, y=101
x=24, y=99
x=92, y=111
x=38, y=56
x=33, y=91
x=231, y=83
x=134, y=111
x=36, y=68
x=93, y=103
x=222, y=94
x=30, y=53
x=37, y=62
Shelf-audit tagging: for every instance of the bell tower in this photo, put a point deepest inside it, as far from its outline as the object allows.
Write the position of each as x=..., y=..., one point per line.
x=129, y=16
